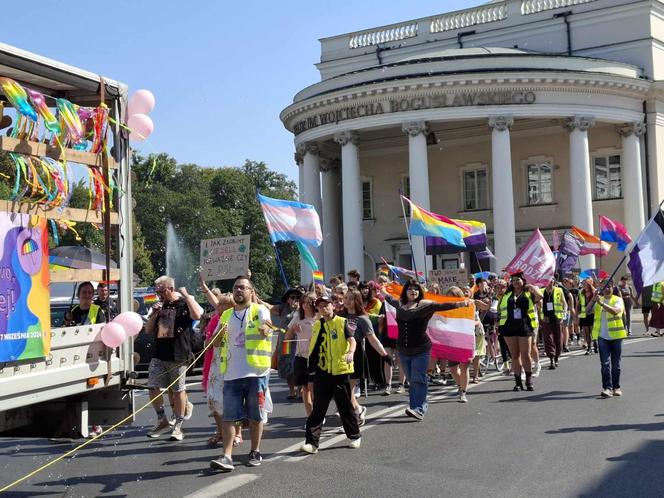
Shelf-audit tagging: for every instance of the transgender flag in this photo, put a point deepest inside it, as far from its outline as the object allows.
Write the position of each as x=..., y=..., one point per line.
x=452, y=332
x=291, y=221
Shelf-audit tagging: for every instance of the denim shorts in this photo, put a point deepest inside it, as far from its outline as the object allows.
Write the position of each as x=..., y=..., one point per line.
x=244, y=398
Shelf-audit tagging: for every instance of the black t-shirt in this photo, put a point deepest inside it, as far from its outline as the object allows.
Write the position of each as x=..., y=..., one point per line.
x=548, y=306
x=112, y=306
x=173, y=334
x=79, y=316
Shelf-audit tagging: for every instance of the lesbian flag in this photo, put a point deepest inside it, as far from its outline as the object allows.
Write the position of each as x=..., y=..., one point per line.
x=612, y=231
x=591, y=243
x=291, y=221
x=427, y=224
x=452, y=332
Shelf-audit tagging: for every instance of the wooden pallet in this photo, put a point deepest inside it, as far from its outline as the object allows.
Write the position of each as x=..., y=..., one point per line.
x=39, y=149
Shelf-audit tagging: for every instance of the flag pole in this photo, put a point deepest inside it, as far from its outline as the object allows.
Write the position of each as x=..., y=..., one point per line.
x=599, y=221
x=276, y=250
x=410, y=239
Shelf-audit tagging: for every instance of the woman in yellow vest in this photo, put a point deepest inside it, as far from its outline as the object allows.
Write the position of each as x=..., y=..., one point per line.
x=554, y=307
x=657, y=302
x=609, y=331
x=586, y=316
x=517, y=322
x=85, y=312
x=330, y=364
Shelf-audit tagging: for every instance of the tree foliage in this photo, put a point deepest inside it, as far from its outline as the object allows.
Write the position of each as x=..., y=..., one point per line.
x=203, y=203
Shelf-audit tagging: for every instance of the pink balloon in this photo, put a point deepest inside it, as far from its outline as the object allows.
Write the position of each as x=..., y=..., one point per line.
x=140, y=126
x=141, y=102
x=112, y=335
x=130, y=321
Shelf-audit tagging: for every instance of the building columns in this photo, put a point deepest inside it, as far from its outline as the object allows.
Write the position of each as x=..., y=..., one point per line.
x=580, y=185
x=351, y=201
x=631, y=177
x=299, y=160
x=330, y=217
x=311, y=177
x=504, y=231
x=418, y=172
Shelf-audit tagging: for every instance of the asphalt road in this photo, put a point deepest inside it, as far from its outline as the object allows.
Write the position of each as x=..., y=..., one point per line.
x=561, y=440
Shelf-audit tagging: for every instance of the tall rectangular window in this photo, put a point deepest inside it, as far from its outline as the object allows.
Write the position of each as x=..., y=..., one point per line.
x=475, y=189
x=608, y=183
x=367, y=199
x=540, y=183
x=405, y=191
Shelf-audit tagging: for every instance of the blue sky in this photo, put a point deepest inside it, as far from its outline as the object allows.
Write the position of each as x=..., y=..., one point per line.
x=221, y=71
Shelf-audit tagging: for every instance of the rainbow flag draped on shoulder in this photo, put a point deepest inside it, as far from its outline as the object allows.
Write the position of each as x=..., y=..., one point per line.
x=452, y=332
x=427, y=224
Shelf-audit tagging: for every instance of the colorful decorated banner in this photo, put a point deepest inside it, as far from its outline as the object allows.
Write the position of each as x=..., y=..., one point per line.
x=535, y=260
x=25, y=316
x=452, y=332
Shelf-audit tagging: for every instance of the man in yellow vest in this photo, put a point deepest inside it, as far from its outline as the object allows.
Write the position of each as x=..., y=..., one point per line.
x=331, y=351
x=554, y=307
x=245, y=357
x=609, y=331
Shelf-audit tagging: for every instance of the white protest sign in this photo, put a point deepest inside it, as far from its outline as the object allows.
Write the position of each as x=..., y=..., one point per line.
x=448, y=278
x=224, y=258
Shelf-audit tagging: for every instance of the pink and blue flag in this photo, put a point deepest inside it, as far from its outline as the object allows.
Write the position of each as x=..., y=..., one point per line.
x=291, y=221
x=612, y=231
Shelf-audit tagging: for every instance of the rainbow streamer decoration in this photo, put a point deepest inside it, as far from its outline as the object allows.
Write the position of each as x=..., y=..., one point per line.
x=427, y=224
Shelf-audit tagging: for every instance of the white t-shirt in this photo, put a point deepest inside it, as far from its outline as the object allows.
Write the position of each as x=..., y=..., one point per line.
x=238, y=368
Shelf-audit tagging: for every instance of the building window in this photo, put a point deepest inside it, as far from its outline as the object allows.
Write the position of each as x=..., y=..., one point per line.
x=367, y=199
x=405, y=191
x=540, y=183
x=608, y=184
x=475, y=189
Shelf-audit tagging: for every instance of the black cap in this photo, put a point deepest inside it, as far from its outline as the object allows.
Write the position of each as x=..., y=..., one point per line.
x=322, y=299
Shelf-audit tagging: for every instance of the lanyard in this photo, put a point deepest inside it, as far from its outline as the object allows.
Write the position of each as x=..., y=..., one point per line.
x=242, y=318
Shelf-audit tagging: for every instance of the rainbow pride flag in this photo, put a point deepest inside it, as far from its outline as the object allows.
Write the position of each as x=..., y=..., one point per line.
x=452, y=332
x=612, y=231
x=319, y=278
x=427, y=224
x=591, y=243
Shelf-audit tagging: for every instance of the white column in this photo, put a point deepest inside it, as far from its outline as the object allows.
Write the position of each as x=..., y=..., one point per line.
x=580, y=186
x=331, y=225
x=504, y=231
x=418, y=172
x=631, y=177
x=299, y=160
x=351, y=201
x=311, y=176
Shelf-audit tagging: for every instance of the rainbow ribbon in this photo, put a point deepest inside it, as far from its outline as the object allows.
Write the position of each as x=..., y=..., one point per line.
x=18, y=98
x=50, y=121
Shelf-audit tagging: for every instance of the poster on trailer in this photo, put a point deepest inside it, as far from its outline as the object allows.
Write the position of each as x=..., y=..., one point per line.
x=25, y=315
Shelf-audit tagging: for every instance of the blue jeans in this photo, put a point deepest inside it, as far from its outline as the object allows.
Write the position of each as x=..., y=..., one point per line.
x=415, y=368
x=609, y=358
x=244, y=398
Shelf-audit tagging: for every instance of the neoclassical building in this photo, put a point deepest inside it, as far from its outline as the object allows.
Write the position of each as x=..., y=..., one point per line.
x=522, y=114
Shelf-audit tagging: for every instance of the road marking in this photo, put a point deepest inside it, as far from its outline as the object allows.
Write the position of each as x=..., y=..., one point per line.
x=146, y=391
x=223, y=486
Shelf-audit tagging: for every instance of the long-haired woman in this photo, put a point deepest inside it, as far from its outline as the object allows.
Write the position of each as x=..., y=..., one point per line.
x=358, y=322
x=586, y=316
x=517, y=323
x=413, y=343
x=300, y=329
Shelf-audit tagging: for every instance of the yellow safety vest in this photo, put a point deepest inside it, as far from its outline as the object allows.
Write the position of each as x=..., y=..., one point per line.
x=502, y=309
x=657, y=293
x=613, y=322
x=93, y=313
x=558, y=308
x=333, y=348
x=582, y=305
x=258, y=348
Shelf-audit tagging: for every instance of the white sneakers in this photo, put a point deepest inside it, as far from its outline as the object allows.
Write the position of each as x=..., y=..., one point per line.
x=355, y=443
x=309, y=448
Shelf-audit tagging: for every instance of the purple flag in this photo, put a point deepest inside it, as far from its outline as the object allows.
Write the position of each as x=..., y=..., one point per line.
x=438, y=245
x=569, y=250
